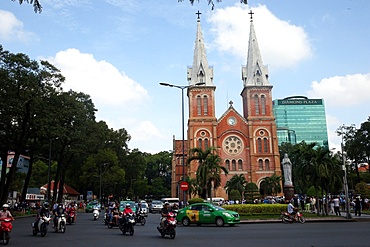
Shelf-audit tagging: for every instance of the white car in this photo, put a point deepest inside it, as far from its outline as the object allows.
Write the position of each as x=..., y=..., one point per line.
x=156, y=206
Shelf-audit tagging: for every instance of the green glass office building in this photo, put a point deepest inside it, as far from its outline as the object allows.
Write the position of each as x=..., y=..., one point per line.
x=299, y=118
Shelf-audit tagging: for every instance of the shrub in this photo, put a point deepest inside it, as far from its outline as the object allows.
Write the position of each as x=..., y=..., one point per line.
x=195, y=200
x=257, y=209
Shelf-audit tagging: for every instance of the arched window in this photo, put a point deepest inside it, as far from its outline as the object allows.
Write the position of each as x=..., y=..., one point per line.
x=199, y=105
x=259, y=145
x=240, y=165
x=200, y=143
x=205, y=105
x=233, y=165
x=267, y=164
x=228, y=164
x=260, y=164
x=256, y=104
x=265, y=145
x=206, y=143
x=263, y=104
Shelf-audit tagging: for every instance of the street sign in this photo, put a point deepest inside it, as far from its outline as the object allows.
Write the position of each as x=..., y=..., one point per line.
x=184, y=186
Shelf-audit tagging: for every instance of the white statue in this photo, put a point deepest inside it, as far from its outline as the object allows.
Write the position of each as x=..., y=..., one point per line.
x=287, y=167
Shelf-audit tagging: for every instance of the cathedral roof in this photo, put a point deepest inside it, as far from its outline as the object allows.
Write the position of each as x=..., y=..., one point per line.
x=200, y=72
x=255, y=73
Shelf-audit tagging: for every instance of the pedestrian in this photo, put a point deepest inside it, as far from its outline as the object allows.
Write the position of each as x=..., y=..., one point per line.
x=336, y=203
x=358, y=206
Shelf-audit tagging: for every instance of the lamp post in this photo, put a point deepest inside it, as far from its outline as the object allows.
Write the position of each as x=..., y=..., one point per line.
x=348, y=213
x=48, y=194
x=183, y=126
x=100, y=173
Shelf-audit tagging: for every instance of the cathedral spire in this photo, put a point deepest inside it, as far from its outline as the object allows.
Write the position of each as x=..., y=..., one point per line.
x=200, y=72
x=255, y=73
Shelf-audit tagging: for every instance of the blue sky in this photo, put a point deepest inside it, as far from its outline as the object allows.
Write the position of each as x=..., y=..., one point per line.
x=118, y=51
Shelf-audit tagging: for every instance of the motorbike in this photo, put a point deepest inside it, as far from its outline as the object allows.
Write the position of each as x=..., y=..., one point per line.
x=169, y=226
x=287, y=218
x=71, y=217
x=114, y=222
x=106, y=219
x=5, y=229
x=96, y=213
x=127, y=223
x=140, y=218
x=61, y=223
x=41, y=227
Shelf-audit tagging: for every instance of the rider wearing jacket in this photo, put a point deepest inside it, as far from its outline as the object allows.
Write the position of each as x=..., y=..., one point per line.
x=126, y=211
x=44, y=211
x=164, y=212
x=58, y=211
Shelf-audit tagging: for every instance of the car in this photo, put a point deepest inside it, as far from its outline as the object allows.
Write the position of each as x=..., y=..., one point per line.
x=122, y=205
x=155, y=206
x=91, y=205
x=207, y=213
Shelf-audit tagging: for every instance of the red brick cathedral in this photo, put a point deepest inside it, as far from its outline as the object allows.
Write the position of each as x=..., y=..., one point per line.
x=246, y=142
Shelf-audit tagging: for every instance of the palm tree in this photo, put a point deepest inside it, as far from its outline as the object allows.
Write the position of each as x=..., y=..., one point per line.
x=271, y=185
x=209, y=169
x=237, y=182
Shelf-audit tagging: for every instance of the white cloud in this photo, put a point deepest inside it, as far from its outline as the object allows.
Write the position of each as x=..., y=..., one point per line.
x=282, y=44
x=348, y=90
x=12, y=29
x=100, y=79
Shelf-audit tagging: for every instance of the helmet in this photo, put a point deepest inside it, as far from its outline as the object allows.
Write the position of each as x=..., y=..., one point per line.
x=128, y=206
x=6, y=205
x=45, y=205
x=166, y=204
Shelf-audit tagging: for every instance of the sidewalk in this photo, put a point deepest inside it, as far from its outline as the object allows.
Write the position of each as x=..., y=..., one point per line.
x=342, y=218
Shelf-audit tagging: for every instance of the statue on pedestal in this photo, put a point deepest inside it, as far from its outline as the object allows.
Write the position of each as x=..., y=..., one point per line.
x=287, y=167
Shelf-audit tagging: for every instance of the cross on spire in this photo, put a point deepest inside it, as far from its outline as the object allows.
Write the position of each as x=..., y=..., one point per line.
x=198, y=13
x=251, y=13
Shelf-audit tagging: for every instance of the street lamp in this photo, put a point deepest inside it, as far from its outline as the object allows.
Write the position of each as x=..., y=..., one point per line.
x=348, y=213
x=183, y=125
x=100, y=198
x=48, y=194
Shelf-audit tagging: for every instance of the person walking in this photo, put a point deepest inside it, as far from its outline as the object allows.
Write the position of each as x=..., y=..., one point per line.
x=336, y=203
x=358, y=206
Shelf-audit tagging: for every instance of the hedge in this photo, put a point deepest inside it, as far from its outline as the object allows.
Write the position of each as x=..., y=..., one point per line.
x=257, y=209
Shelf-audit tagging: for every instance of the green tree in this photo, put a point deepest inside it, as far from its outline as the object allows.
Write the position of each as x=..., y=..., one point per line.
x=251, y=192
x=211, y=2
x=271, y=185
x=25, y=87
x=208, y=171
x=36, y=4
x=237, y=182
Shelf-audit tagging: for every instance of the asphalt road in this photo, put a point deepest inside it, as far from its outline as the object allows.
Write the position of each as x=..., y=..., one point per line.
x=87, y=232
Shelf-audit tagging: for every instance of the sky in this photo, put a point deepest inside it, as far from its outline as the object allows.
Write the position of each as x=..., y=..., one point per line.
x=118, y=51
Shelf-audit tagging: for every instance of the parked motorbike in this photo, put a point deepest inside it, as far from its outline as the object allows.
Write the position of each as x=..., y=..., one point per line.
x=287, y=218
x=71, y=217
x=140, y=218
x=61, y=224
x=41, y=227
x=5, y=229
x=169, y=226
x=127, y=223
x=96, y=213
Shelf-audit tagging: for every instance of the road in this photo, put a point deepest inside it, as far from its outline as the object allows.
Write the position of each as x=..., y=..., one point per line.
x=87, y=232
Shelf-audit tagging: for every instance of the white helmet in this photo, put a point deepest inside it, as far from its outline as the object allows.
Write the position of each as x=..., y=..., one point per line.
x=6, y=205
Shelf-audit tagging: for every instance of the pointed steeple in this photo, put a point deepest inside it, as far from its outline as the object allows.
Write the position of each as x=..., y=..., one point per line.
x=255, y=73
x=200, y=72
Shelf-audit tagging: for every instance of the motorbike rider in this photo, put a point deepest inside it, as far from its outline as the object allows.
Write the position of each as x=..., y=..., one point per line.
x=72, y=208
x=115, y=214
x=175, y=208
x=164, y=212
x=126, y=211
x=292, y=210
x=138, y=210
x=43, y=212
x=5, y=213
x=58, y=211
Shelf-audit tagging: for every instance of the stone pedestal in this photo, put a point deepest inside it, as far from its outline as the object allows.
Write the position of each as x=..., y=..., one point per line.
x=288, y=192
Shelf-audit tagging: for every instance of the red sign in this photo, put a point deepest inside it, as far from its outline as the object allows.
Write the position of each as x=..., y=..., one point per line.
x=184, y=186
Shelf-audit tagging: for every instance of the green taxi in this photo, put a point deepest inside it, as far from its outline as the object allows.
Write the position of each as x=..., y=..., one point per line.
x=207, y=213
x=122, y=205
